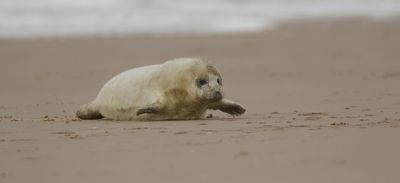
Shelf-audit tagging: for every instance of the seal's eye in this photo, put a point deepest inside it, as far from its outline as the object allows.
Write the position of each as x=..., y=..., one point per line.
x=219, y=81
x=201, y=82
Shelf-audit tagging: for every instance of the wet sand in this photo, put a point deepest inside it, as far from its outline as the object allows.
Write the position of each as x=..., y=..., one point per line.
x=322, y=100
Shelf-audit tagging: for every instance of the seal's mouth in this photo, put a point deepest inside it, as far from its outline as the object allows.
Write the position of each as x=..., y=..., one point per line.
x=216, y=96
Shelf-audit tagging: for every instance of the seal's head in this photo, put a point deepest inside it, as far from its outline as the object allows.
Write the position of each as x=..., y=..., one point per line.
x=209, y=84
x=196, y=80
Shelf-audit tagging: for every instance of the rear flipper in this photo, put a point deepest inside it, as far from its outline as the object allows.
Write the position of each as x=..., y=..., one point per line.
x=89, y=111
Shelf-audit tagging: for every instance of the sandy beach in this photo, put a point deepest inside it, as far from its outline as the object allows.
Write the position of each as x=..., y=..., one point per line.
x=322, y=100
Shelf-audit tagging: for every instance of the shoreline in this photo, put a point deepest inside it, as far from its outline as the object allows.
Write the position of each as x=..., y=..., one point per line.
x=287, y=23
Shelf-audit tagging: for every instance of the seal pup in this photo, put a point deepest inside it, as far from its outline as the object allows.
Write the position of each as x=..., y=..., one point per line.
x=179, y=89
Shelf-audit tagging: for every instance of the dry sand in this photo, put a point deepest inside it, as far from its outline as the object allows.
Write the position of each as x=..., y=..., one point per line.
x=322, y=99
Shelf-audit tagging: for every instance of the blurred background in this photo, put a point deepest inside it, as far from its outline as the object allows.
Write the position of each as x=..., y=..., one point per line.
x=27, y=18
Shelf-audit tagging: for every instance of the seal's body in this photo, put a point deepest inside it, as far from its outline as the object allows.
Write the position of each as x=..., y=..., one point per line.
x=178, y=89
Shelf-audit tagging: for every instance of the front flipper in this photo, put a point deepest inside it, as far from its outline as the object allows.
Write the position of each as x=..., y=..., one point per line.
x=229, y=107
x=151, y=109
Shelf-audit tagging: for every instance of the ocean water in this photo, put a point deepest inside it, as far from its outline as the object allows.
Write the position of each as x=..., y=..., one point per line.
x=29, y=18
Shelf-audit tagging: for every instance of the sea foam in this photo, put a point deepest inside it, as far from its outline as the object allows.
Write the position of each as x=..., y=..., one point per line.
x=29, y=18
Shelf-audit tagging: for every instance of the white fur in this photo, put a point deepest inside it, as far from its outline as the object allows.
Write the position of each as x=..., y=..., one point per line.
x=127, y=90
x=170, y=88
x=124, y=94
